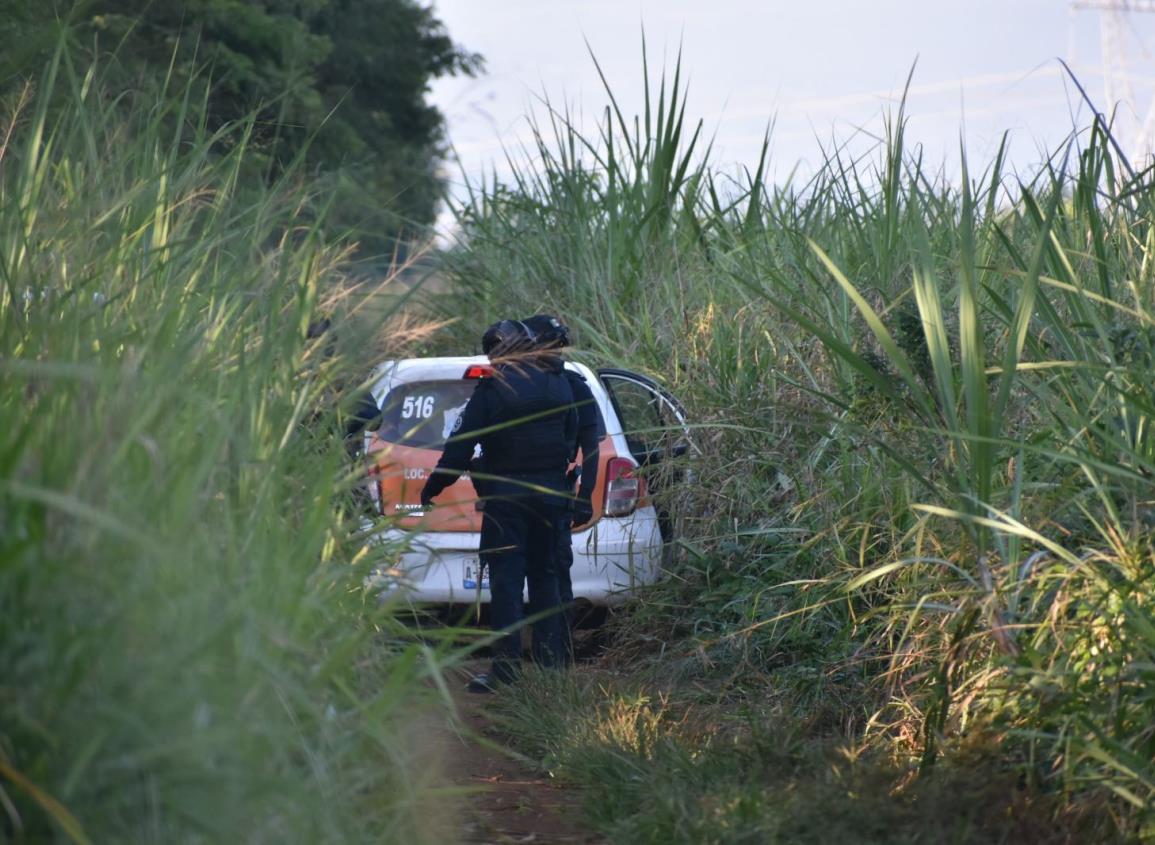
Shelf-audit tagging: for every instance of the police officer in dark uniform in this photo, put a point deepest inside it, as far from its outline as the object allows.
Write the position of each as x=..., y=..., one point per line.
x=550, y=338
x=523, y=418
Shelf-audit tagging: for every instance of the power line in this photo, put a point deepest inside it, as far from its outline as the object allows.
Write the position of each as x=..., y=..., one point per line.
x=1116, y=5
x=1135, y=137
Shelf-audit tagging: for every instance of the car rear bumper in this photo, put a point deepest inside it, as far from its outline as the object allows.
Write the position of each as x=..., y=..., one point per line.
x=610, y=559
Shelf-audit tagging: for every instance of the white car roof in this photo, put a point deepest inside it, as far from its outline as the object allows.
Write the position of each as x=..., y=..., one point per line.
x=410, y=369
x=434, y=369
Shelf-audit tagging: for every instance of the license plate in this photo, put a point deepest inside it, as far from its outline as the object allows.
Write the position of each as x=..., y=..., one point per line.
x=470, y=570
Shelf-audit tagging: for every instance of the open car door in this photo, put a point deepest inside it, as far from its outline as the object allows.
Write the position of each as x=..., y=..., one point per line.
x=656, y=430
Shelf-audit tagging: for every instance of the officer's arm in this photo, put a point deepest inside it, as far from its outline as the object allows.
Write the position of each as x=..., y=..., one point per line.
x=458, y=448
x=587, y=436
x=588, y=444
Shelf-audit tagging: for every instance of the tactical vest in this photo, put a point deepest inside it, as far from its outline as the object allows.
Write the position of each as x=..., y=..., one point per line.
x=536, y=424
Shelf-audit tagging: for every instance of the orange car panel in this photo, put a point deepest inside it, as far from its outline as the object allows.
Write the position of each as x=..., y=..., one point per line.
x=401, y=472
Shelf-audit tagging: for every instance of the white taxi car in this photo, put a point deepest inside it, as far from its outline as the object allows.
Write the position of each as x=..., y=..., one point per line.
x=618, y=550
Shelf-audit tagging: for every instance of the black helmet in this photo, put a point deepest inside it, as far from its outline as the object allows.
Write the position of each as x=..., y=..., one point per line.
x=505, y=337
x=548, y=330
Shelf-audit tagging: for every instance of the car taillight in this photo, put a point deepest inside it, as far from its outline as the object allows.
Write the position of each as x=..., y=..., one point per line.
x=623, y=487
x=478, y=371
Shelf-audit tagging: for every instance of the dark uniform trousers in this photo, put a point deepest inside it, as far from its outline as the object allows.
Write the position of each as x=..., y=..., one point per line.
x=519, y=543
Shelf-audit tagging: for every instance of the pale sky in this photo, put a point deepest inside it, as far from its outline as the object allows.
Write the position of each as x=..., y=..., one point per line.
x=816, y=69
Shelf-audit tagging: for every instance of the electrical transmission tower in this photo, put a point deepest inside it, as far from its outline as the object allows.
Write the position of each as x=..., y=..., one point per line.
x=1135, y=135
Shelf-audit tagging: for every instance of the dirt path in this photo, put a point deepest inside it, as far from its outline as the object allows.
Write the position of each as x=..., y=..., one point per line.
x=510, y=803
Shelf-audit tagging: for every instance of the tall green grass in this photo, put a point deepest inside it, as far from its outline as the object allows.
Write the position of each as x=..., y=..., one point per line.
x=185, y=651
x=925, y=405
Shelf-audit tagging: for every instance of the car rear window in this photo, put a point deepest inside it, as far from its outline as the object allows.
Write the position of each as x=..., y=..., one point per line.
x=421, y=414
